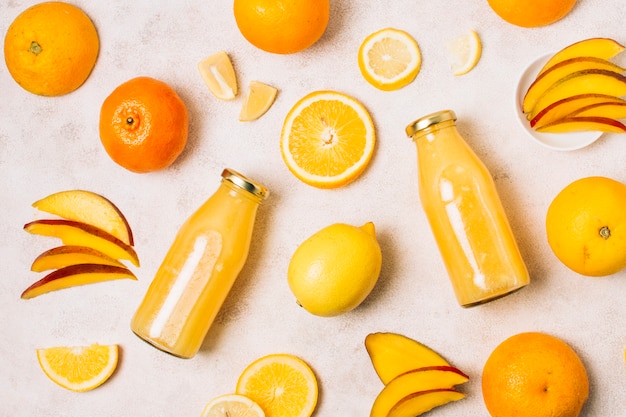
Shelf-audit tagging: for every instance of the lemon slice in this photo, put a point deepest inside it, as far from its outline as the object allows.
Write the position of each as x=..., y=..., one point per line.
x=282, y=384
x=79, y=368
x=258, y=101
x=232, y=405
x=389, y=59
x=219, y=75
x=327, y=139
x=464, y=52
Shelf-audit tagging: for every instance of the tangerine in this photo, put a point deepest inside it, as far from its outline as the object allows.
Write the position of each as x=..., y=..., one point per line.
x=51, y=48
x=282, y=26
x=534, y=375
x=144, y=125
x=531, y=13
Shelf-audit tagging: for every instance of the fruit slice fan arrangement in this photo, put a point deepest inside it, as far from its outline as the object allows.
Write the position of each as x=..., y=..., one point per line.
x=579, y=89
x=96, y=237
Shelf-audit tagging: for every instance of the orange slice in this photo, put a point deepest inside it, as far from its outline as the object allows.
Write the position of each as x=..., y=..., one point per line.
x=79, y=368
x=219, y=75
x=258, y=101
x=232, y=405
x=282, y=384
x=327, y=139
x=464, y=52
x=389, y=59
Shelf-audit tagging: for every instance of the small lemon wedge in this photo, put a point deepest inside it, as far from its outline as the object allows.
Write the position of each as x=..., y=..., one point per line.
x=464, y=52
x=258, y=101
x=79, y=368
x=219, y=75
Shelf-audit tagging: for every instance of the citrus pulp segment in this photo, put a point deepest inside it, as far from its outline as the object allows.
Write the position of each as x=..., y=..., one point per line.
x=282, y=384
x=219, y=75
x=258, y=101
x=389, y=59
x=327, y=139
x=79, y=368
x=464, y=52
x=232, y=405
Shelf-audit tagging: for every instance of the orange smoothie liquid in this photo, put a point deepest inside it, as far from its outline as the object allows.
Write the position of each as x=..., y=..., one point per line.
x=198, y=272
x=466, y=216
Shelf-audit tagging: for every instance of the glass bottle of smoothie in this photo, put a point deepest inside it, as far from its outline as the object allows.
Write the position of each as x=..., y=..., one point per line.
x=200, y=268
x=465, y=213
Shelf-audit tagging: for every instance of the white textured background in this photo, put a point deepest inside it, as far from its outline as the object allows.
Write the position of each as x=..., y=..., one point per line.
x=51, y=144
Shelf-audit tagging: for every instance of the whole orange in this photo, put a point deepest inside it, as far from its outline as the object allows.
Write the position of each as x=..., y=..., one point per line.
x=531, y=13
x=144, y=125
x=586, y=226
x=534, y=375
x=282, y=26
x=51, y=48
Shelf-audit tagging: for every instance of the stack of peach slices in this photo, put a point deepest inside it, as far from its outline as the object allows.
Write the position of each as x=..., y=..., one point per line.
x=416, y=378
x=96, y=239
x=579, y=89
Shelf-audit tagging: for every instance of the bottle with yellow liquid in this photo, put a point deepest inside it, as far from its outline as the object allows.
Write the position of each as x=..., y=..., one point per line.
x=465, y=213
x=200, y=268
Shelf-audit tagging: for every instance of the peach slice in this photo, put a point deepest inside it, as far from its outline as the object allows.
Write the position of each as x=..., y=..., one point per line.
x=393, y=354
x=604, y=48
x=583, y=124
x=418, y=403
x=88, y=207
x=612, y=110
x=423, y=379
x=548, y=78
x=569, y=105
x=590, y=81
x=82, y=234
x=74, y=275
x=63, y=256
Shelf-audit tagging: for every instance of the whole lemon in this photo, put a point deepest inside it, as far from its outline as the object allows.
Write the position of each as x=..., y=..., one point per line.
x=335, y=269
x=585, y=226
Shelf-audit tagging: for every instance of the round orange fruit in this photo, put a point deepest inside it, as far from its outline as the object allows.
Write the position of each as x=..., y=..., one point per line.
x=144, y=125
x=586, y=226
x=534, y=375
x=282, y=26
x=51, y=48
x=531, y=13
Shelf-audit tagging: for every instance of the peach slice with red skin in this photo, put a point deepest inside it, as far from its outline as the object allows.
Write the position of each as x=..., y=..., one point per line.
x=418, y=380
x=583, y=124
x=604, y=48
x=82, y=234
x=570, y=105
x=421, y=402
x=544, y=81
x=63, y=256
x=393, y=354
x=74, y=275
x=581, y=82
x=90, y=208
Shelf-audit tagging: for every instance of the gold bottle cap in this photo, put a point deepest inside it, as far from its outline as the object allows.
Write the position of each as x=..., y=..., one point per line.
x=429, y=120
x=245, y=183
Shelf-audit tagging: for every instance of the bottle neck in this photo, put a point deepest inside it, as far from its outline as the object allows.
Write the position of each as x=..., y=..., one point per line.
x=234, y=190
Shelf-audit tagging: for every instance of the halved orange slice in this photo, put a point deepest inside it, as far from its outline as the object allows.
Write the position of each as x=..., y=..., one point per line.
x=327, y=139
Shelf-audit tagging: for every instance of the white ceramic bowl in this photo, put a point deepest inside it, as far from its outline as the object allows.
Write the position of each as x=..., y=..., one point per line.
x=554, y=141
